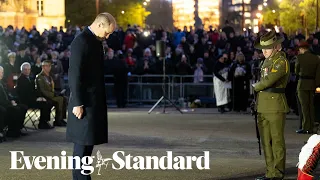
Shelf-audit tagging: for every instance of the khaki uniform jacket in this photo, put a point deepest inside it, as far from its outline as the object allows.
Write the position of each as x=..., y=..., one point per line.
x=307, y=65
x=45, y=85
x=274, y=74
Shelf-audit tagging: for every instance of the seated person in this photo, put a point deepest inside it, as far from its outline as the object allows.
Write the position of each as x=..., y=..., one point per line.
x=27, y=95
x=45, y=87
x=11, y=73
x=15, y=113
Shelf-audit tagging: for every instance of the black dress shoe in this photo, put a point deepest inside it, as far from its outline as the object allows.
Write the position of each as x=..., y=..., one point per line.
x=59, y=124
x=23, y=134
x=13, y=134
x=64, y=122
x=263, y=178
x=45, y=125
x=2, y=137
x=301, y=131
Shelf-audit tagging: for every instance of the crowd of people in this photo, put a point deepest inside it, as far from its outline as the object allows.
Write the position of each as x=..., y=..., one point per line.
x=40, y=61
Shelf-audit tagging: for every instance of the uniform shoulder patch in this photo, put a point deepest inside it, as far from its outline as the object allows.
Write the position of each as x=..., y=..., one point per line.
x=279, y=64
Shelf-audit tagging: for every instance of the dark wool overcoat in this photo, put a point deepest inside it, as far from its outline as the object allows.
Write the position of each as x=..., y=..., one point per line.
x=86, y=82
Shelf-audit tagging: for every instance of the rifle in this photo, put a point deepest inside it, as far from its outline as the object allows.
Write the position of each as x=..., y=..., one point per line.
x=255, y=114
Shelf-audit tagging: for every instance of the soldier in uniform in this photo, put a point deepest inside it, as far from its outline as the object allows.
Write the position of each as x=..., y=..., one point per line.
x=272, y=104
x=45, y=87
x=306, y=69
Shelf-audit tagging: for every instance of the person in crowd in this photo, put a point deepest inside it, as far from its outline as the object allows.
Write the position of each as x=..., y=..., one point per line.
x=221, y=92
x=27, y=95
x=23, y=55
x=306, y=68
x=14, y=113
x=36, y=68
x=11, y=72
x=45, y=88
x=129, y=40
x=177, y=37
x=183, y=67
x=199, y=71
x=240, y=75
x=57, y=72
x=120, y=75
x=293, y=82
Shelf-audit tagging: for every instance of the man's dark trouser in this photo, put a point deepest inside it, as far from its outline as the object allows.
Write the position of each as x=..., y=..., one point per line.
x=80, y=151
x=2, y=118
x=45, y=110
x=15, y=117
x=307, y=106
x=121, y=94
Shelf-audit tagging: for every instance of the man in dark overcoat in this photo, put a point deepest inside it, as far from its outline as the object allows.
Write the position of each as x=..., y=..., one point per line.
x=28, y=95
x=87, y=112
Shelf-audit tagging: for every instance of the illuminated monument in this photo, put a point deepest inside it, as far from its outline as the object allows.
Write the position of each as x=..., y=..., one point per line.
x=185, y=12
x=26, y=13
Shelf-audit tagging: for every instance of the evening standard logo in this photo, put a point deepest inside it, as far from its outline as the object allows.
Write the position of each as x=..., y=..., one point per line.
x=119, y=161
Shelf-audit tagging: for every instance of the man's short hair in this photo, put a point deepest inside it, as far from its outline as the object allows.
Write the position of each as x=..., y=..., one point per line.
x=24, y=64
x=46, y=62
x=54, y=53
x=1, y=68
x=105, y=18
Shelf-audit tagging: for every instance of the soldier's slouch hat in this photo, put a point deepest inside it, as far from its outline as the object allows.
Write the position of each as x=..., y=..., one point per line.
x=268, y=41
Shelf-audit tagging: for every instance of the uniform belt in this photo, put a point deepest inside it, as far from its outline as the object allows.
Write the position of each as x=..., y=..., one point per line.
x=275, y=90
x=306, y=77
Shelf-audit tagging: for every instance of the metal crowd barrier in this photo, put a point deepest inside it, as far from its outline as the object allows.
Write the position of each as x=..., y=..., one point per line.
x=147, y=89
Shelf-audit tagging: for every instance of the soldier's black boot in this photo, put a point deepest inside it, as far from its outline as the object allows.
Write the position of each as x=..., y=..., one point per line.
x=263, y=178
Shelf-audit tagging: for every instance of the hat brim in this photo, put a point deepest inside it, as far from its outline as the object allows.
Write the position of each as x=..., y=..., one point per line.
x=257, y=44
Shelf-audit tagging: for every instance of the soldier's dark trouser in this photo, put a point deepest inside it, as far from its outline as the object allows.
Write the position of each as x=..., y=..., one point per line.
x=60, y=105
x=300, y=111
x=271, y=127
x=307, y=107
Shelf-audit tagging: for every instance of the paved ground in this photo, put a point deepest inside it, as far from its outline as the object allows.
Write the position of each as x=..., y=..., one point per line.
x=230, y=138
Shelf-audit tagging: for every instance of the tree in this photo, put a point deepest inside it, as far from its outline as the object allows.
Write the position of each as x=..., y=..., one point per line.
x=80, y=12
x=308, y=10
x=83, y=12
x=271, y=17
x=287, y=15
x=293, y=15
x=128, y=12
x=290, y=15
